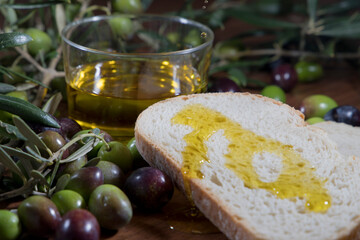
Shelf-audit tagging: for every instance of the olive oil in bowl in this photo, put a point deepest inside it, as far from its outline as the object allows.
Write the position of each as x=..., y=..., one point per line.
x=111, y=94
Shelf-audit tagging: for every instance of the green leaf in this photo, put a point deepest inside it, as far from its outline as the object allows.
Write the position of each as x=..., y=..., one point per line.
x=10, y=131
x=238, y=77
x=34, y=151
x=311, y=9
x=339, y=7
x=9, y=14
x=52, y=104
x=330, y=47
x=7, y=71
x=146, y=3
x=342, y=30
x=9, y=163
x=241, y=63
x=5, y=88
x=260, y=21
x=35, y=5
x=26, y=18
x=29, y=133
x=39, y=177
x=62, y=182
x=27, y=166
x=27, y=111
x=13, y=39
x=16, y=152
x=81, y=151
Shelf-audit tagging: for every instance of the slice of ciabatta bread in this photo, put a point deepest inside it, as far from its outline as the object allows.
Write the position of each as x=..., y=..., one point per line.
x=238, y=208
x=346, y=136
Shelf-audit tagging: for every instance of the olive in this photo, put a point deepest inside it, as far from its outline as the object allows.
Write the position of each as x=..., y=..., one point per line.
x=59, y=84
x=72, y=167
x=284, y=76
x=308, y=71
x=138, y=160
x=274, y=92
x=193, y=38
x=317, y=105
x=39, y=215
x=69, y=127
x=127, y=6
x=314, y=120
x=78, y=224
x=85, y=180
x=149, y=188
x=345, y=114
x=228, y=49
x=118, y=154
x=173, y=37
x=121, y=26
x=66, y=200
x=110, y=206
x=10, y=226
x=14, y=79
x=41, y=41
x=222, y=85
x=112, y=173
x=53, y=140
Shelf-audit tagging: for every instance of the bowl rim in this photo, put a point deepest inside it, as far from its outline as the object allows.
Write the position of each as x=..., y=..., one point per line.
x=202, y=27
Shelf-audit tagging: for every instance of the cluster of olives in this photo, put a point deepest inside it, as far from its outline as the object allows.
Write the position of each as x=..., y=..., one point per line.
x=100, y=194
x=285, y=77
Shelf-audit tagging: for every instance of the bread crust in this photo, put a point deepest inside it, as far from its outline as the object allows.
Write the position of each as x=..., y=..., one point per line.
x=232, y=226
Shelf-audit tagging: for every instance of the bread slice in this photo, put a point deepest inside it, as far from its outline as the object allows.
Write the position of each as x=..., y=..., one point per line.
x=346, y=136
x=239, y=207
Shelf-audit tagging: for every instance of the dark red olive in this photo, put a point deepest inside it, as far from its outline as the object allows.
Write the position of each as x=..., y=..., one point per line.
x=222, y=85
x=78, y=224
x=149, y=188
x=285, y=76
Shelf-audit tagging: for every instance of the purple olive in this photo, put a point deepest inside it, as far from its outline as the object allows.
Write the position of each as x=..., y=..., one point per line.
x=345, y=114
x=222, y=85
x=85, y=180
x=78, y=224
x=149, y=188
x=39, y=215
x=285, y=76
x=69, y=127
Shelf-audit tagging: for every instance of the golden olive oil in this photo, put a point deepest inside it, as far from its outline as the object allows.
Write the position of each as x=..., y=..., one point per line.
x=296, y=179
x=111, y=94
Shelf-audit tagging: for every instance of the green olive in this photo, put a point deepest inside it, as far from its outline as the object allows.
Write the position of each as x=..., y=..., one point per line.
x=10, y=227
x=308, y=71
x=127, y=6
x=317, y=105
x=121, y=26
x=193, y=38
x=314, y=120
x=66, y=200
x=138, y=160
x=118, y=153
x=110, y=206
x=274, y=92
x=41, y=41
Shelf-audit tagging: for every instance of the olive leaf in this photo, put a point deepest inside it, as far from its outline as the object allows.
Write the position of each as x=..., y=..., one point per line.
x=31, y=136
x=237, y=76
x=9, y=14
x=9, y=163
x=27, y=166
x=39, y=177
x=8, y=72
x=35, y=5
x=60, y=17
x=342, y=30
x=13, y=39
x=62, y=182
x=311, y=9
x=81, y=151
x=339, y=7
x=260, y=21
x=34, y=151
x=16, y=152
x=52, y=104
x=10, y=131
x=5, y=88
